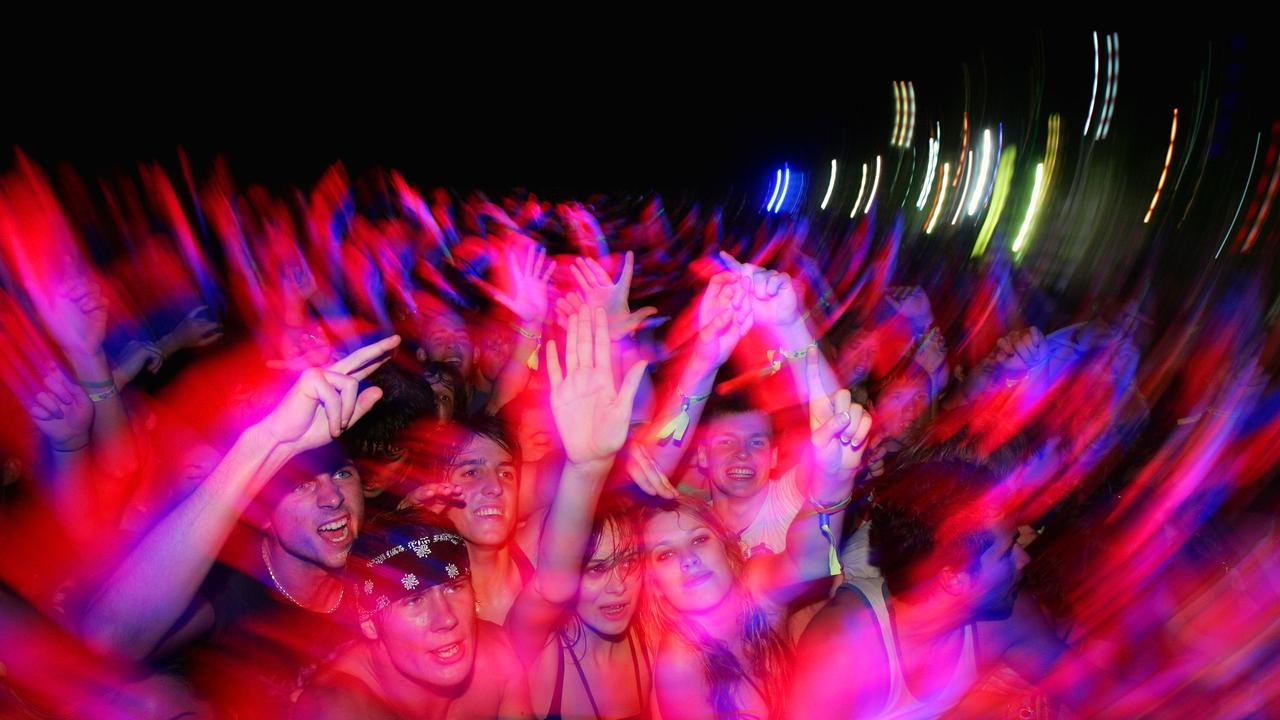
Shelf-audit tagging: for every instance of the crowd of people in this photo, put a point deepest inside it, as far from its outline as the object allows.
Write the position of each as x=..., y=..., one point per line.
x=361, y=451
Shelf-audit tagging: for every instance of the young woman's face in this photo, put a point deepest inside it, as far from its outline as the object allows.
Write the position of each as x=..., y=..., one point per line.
x=687, y=563
x=610, y=587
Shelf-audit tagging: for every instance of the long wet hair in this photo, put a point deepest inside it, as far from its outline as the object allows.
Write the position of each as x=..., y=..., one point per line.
x=767, y=651
x=620, y=518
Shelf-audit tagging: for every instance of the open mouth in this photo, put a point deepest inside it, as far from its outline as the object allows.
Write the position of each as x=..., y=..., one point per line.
x=489, y=511
x=740, y=473
x=448, y=654
x=614, y=612
x=336, y=531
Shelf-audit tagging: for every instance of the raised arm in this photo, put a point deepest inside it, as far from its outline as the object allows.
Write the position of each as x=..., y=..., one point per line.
x=592, y=418
x=526, y=298
x=724, y=317
x=838, y=430
x=158, y=580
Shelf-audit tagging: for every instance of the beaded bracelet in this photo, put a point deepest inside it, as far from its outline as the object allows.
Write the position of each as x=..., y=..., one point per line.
x=100, y=395
x=777, y=356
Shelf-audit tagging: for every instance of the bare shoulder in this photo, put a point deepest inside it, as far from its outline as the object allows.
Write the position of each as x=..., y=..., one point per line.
x=1026, y=639
x=493, y=645
x=841, y=661
x=679, y=680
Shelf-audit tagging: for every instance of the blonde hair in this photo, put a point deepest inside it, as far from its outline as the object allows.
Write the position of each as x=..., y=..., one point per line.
x=768, y=653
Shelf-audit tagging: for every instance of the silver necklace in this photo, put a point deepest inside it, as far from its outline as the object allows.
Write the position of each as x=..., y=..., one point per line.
x=266, y=559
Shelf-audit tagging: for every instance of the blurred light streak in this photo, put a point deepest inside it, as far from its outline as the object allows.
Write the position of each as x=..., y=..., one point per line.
x=777, y=185
x=904, y=126
x=786, y=183
x=1168, y=156
x=1000, y=191
x=1051, y=148
x=1093, y=95
x=899, y=110
x=964, y=148
x=968, y=177
x=861, y=187
x=928, y=174
x=1262, y=214
x=1256, y=144
x=911, y=114
x=874, y=186
x=982, y=176
x=1020, y=242
x=831, y=185
x=939, y=201
x=1113, y=82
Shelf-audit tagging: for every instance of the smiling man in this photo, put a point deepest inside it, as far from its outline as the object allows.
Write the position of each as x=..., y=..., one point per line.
x=478, y=461
x=425, y=654
x=737, y=455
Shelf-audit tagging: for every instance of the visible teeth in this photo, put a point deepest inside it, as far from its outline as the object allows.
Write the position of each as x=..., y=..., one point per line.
x=741, y=473
x=335, y=525
x=485, y=512
x=449, y=651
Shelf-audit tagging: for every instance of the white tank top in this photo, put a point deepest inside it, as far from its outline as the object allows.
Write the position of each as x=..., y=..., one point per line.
x=900, y=703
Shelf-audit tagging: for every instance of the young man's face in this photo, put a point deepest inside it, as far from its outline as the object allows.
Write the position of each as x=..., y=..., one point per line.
x=487, y=475
x=495, y=348
x=994, y=584
x=317, y=521
x=902, y=407
x=737, y=453
x=430, y=636
x=449, y=342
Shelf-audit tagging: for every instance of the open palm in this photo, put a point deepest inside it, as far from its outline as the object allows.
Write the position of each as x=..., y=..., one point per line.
x=591, y=415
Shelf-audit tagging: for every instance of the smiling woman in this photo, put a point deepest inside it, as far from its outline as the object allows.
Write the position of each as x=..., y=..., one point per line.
x=725, y=655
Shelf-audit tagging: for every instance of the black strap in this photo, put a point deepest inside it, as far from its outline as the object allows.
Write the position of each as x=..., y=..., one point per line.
x=585, y=685
x=553, y=712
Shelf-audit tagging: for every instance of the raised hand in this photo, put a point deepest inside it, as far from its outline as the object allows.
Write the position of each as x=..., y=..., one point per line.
x=591, y=415
x=1021, y=350
x=195, y=330
x=326, y=401
x=62, y=412
x=75, y=314
x=724, y=317
x=619, y=326
x=433, y=496
x=137, y=355
x=582, y=228
x=525, y=291
x=838, y=428
x=600, y=290
x=644, y=471
x=774, y=302
x=912, y=304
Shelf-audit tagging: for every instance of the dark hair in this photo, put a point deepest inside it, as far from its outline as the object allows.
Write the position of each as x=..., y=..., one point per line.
x=435, y=371
x=452, y=439
x=930, y=515
x=405, y=399
x=719, y=406
x=302, y=467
